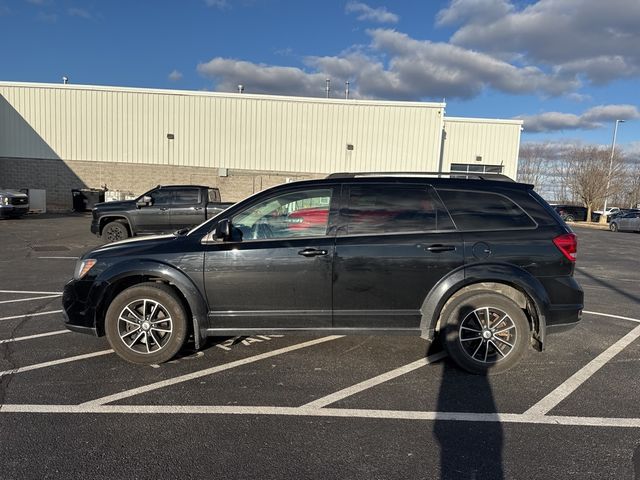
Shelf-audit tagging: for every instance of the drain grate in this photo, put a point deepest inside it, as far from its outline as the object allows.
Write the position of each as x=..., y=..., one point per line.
x=50, y=248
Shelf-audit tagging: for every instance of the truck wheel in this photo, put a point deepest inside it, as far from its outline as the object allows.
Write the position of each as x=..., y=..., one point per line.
x=485, y=333
x=146, y=324
x=115, y=230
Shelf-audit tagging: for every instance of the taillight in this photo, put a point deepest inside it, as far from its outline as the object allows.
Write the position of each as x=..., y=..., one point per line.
x=568, y=245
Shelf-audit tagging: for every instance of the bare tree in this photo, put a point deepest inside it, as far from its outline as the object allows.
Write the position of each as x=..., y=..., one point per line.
x=532, y=163
x=588, y=171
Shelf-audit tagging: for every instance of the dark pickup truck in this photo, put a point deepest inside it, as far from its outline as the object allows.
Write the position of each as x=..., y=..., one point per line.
x=164, y=209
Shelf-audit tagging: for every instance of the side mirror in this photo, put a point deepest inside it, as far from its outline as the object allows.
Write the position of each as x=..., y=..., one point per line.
x=223, y=230
x=144, y=201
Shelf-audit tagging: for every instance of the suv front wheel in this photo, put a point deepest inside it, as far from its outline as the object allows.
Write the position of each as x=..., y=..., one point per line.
x=484, y=333
x=146, y=324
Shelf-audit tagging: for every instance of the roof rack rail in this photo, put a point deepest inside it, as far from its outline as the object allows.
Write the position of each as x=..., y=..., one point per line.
x=469, y=175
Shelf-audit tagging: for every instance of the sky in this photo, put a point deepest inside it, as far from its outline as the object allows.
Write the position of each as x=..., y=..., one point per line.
x=568, y=68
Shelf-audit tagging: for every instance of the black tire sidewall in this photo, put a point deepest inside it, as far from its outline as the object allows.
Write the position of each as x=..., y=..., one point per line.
x=455, y=311
x=116, y=225
x=169, y=300
x=613, y=227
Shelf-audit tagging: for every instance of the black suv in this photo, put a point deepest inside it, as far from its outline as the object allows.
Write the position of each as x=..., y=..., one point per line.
x=484, y=263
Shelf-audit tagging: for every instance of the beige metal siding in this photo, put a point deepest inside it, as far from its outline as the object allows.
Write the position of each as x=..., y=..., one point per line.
x=216, y=130
x=496, y=141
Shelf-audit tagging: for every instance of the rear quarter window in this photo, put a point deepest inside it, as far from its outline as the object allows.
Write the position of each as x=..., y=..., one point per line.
x=477, y=210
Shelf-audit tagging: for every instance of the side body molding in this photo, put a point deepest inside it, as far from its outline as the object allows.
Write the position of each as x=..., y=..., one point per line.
x=486, y=273
x=104, y=286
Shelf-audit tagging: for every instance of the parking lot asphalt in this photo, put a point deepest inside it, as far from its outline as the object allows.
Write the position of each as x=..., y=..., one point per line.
x=310, y=406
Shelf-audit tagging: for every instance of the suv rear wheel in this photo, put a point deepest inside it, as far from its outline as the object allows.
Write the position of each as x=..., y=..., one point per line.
x=485, y=333
x=146, y=324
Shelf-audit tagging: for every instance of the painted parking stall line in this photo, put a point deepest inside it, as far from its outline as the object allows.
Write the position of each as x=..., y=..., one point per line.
x=207, y=371
x=30, y=292
x=570, y=385
x=372, y=382
x=326, y=412
x=52, y=363
x=636, y=320
x=31, y=337
x=39, y=314
x=30, y=299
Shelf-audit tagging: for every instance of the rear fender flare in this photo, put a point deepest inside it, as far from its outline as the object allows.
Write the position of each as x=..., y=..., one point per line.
x=486, y=276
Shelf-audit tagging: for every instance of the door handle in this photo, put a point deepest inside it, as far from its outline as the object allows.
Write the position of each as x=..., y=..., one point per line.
x=312, y=252
x=196, y=208
x=164, y=209
x=441, y=248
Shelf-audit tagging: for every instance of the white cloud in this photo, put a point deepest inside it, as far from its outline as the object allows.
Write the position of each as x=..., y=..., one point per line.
x=415, y=69
x=593, y=118
x=221, y=4
x=591, y=38
x=460, y=11
x=175, y=76
x=367, y=13
x=47, y=17
x=79, y=12
x=258, y=78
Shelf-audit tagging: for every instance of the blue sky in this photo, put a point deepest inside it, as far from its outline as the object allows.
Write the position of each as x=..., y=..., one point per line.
x=569, y=68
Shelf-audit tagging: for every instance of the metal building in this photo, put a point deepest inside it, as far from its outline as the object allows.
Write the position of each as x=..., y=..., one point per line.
x=58, y=137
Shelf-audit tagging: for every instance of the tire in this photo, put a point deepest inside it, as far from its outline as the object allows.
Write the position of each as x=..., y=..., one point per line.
x=464, y=320
x=146, y=324
x=115, y=230
x=570, y=218
x=613, y=226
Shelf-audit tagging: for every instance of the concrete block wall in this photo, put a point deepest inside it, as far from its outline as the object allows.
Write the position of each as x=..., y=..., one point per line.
x=59, y=177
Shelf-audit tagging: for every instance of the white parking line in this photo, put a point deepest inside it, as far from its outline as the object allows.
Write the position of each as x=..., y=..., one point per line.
x=59, y=258
x=31, y=337
x=612, y=316
x=207, y=371
x=31, y=315
x=29, y=299
x=372, y=382
x=30, y=292
x=326, y=412
x=563, y=391
x=60, y=361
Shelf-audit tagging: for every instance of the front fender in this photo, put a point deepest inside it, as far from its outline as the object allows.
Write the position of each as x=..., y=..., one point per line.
x=503, y=273
x=105, y=285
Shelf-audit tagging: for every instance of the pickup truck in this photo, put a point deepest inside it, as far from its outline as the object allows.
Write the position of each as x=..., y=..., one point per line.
x=164, y=209
x=13, y=203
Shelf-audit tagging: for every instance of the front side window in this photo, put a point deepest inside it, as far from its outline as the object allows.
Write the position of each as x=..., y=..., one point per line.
x=302, y=213
x=161, y=197
x=472, y=210
x=375, y=209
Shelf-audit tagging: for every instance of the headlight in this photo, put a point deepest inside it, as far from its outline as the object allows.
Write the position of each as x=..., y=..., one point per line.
x=4, y=200
x=83, y=267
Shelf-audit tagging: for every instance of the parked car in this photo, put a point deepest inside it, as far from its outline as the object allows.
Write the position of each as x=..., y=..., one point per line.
x=161, y=210
x=622, y=212
x=627, y=222
x=608, y=212
x=571, y=213
x=485, y=264
x=13, y=203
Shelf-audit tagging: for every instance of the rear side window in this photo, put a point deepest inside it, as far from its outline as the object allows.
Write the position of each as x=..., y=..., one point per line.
x=374, y=209
x=214, y=195
x=187, y=196
x=484, y=211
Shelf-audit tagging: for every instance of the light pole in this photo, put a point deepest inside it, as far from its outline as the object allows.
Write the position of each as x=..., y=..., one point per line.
x=603, y=217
